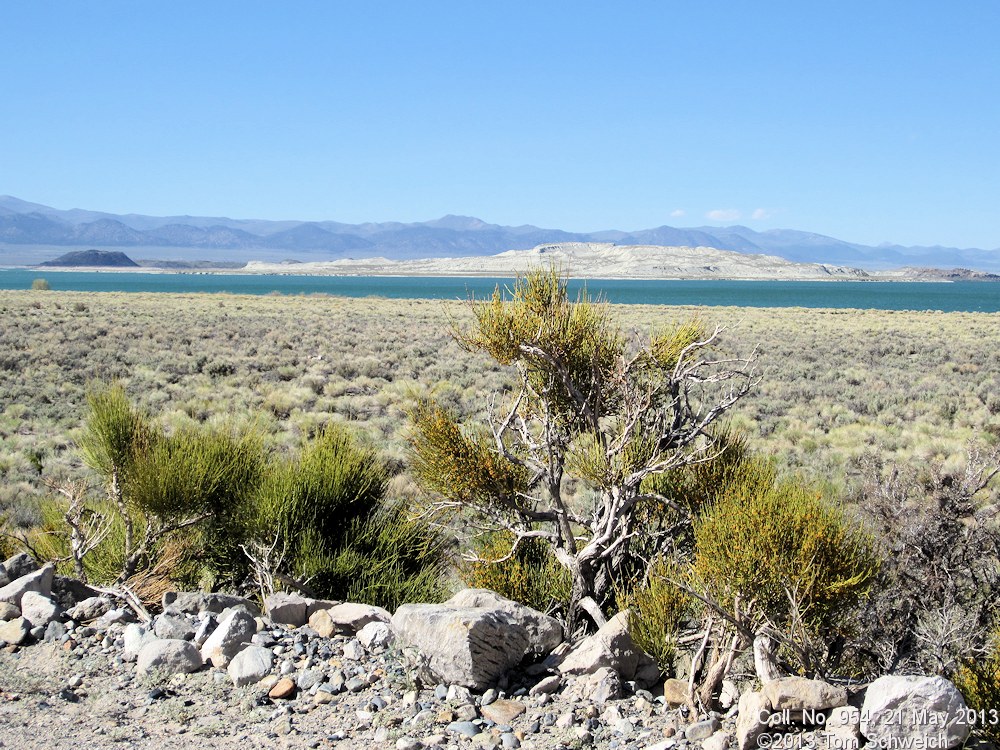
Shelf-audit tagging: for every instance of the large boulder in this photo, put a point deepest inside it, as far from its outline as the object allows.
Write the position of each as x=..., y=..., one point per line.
x=802, y=694
x=170, y=655
x=612, y=647
x=39, y=610
x=286, y=609
x=230, y=637
x=464, y=646
x=39, y=581
x=544, y=632
x=924, y=712
x=250, y=665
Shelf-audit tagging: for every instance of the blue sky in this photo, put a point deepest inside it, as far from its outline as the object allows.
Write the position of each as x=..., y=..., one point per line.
x=870, y=121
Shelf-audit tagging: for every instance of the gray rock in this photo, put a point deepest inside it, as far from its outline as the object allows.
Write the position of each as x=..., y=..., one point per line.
x=16, y=631
x=375, y=635
x=922, y=711
x=205, y=627
x=350, y=618
x=37, y=609
x=308, y=678
x=462, y=646
x=117, y=615
x=173, y=626
x=718, y=741
x=287, y=609
x=39, y=581
x=250, y=665
x=605, y=685
x=702, y=730
x=195, y=602
x=54, y=631
x=135, y=638
x=545, y=686
x=9, y=611
x=465, y=728
x=353, y=650
x=544, y=632
x=170, y=655
x=612, y=647
x=802, y=694
x=753, y=707
x=229, y=638
x=20, y=565
x=90, y=609
x=4, y=578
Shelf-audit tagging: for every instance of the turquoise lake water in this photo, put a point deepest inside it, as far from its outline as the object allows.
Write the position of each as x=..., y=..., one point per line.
x=881, y=295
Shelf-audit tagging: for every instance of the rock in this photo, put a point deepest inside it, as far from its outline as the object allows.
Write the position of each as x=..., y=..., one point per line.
x=675, y=692
x=307, y=679
x=458, y=694
x=8, y=611
x=750, y=722
x=802, y=694
x=604, y=685
x=250, y=665
x=353, y=650
x=702, y=730
x=465, y=728
x=54, y=631
x=15, y=632
x=169, y=654
x=229, y=638
x=196, y=602
x=20, y=565
x=612, y=647
x=729, y=694
x=922, y=711
x=90, y=609
x=173, y=626
x=718, y=741
x=462, y=646
x=206, y=625
x=842, y=730
x=4, y=577
x=502, y=711
x=349, y=618
x=375, y=635
x=544, y=632
x=282, y=690
x=286, y=609
x=117, y=615
x=37, y=609
x=39, y=581
x=315, y=605
x=321, y=622
x=545, y=686
x=135, y=638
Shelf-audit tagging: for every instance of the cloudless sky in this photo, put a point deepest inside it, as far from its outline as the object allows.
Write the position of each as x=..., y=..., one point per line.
x=867, y=120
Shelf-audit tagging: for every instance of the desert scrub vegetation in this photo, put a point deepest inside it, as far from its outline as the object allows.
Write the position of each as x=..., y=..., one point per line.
x=915, y=386
x=213, y=506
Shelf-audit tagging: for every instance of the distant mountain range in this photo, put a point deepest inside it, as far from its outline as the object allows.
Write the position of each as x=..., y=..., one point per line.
x=31, y=232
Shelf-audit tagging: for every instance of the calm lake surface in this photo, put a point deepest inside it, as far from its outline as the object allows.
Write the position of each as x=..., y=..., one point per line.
x=880, y=295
